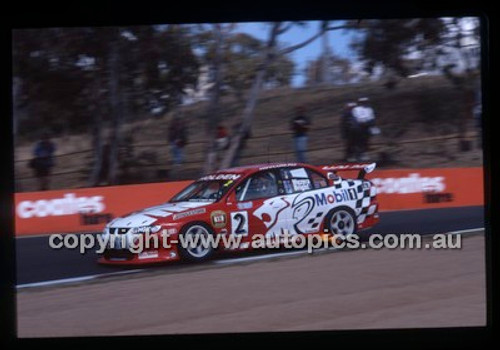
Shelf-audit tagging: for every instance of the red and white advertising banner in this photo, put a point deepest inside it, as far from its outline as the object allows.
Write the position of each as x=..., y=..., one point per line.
x=89, y=209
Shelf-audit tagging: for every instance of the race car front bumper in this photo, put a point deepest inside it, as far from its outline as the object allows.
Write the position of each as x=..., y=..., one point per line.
x=126, y=257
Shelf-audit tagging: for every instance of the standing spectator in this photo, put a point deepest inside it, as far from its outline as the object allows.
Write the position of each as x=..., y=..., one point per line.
x=43, y=161
x=300, y=126
x=126, y=157
x=477, y=111
x=104, y=171
x=243, y=143
x=221, y=140
x=365, y=118
x=350, y=131
x=177, y=138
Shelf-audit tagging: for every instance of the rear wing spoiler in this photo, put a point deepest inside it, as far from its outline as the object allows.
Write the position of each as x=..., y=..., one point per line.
x=364, y=168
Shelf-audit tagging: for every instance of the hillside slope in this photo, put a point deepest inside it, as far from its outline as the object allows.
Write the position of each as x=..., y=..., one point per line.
x=419, y=121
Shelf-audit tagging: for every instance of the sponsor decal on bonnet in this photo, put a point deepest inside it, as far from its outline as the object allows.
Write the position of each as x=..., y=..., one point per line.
x=189, y=213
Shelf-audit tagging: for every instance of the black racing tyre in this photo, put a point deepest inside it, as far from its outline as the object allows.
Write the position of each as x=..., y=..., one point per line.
x=193, y=252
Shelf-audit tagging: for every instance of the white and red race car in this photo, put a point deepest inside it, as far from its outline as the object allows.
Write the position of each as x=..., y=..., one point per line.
x=245, y=201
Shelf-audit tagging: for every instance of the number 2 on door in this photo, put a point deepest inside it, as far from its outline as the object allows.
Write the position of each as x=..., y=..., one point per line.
x=239, y=223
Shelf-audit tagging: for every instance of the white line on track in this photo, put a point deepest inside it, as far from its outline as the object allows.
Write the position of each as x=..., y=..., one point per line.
x=55, y=233
x=462, y=232
x=110, y=274
x=76, y=279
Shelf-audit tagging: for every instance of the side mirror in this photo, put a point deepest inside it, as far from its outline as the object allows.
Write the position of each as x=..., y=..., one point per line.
x=334, y=177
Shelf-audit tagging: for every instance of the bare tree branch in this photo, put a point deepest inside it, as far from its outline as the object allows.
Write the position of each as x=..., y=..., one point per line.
x=454, y=46
x=311, y=39
x=328, y=29
x=269, y=55
x=246, y=119
x=285, y=28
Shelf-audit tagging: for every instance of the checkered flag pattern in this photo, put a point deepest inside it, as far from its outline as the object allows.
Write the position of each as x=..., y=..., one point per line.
x=315, y=221
x=363, y=206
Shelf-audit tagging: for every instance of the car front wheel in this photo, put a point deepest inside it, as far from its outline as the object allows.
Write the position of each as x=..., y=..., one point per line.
x=195, y=244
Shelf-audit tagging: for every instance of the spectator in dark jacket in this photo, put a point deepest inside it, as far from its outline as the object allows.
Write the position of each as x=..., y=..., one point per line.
x=300, y=126
x=350, y=132
x=177, y=138
x=43, y=161
x=221, y=141
x=243, y=142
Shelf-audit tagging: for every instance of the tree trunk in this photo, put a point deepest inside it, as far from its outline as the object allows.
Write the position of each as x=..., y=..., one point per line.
x=465, y=117
x=269, y=55
x=95, y=111
x=15, y=109
x=247, y=116
x=97, y=145
x=116, y=110
x=325, y=62
x=212, y=116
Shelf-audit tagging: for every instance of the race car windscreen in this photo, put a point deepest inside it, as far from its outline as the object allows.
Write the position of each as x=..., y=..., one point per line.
x=203, y=191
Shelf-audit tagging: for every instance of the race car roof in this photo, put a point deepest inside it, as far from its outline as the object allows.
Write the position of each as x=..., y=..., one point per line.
x=248, y=169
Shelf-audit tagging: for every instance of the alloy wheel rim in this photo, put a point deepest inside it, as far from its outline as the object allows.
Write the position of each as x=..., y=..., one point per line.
x=199, y=250
x=342, y=223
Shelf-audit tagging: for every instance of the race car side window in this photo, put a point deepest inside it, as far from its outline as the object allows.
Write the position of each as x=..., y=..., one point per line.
x=260, y=185
x=318, y=180
x=241, y=189
x=295, y=180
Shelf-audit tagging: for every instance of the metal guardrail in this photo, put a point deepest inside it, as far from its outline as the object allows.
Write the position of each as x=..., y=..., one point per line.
x=379, y=145
x=162, y=144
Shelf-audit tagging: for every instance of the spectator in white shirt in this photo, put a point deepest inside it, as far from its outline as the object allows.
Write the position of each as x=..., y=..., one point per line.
x=365, y=118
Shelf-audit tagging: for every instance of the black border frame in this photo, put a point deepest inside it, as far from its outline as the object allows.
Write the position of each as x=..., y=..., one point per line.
x=121, y=13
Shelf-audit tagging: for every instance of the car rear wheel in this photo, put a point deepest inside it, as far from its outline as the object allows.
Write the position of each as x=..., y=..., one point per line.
x=195, y=244
x=341, y=222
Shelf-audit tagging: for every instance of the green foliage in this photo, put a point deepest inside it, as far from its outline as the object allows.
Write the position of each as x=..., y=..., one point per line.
x=242, y=55
x=65, y=72
x=387, y=42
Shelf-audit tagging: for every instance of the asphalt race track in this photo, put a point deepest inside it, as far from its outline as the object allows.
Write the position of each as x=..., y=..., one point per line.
x=327, y=290
x=37, y=262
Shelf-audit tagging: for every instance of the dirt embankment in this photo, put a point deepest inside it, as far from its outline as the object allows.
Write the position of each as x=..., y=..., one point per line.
x=422, y=110
x=340, y=290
